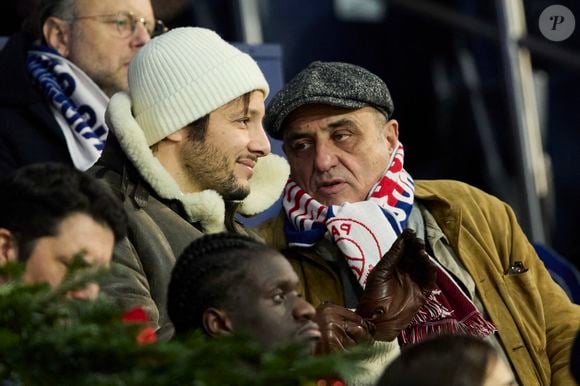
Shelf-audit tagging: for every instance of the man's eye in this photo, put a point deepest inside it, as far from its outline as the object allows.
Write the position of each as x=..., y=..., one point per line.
x=341, y=136
x=244, y=121
x=279, y=297
x=300, y=146
x=122, y=23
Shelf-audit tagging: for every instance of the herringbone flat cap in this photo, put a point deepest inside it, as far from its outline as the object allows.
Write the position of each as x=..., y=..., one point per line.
x=330, y=83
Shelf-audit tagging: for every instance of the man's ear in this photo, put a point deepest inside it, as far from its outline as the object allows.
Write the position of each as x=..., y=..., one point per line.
x=216, y=322
x=178, y=136
x=391, y=132
x=8, y=247
x=56, y=32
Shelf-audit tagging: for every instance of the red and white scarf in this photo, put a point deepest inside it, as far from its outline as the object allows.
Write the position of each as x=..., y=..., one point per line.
x=364, y=231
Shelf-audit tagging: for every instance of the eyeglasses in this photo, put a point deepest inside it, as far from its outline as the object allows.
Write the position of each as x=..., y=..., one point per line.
x=126, y=23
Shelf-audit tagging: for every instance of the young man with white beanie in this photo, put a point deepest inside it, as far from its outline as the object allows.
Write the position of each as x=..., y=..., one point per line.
x=188, y=153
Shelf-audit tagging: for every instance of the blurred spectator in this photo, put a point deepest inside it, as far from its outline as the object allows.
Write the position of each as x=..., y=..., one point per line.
x=227, y=283
x=56, y=78
x=449, y=360
x=49, y=213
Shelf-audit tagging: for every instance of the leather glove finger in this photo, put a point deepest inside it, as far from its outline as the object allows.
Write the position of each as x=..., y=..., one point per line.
x=391, y=259
x=381, y=282
x=417, y=264
x=391, y=316
x=340, y=328
x=333, y=339
x=392, y=297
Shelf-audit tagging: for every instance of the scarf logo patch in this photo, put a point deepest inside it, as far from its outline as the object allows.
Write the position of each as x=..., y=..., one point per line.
x=353, y=238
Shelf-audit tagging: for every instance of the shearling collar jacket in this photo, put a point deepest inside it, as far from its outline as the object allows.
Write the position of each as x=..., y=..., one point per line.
x=206, y=207
x=162, y=220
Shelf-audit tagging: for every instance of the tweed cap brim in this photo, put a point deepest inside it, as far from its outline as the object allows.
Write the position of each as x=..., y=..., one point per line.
x=330, y=83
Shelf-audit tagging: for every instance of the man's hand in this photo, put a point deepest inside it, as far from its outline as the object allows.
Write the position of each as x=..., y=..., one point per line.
x=341, y=328
x=397, y=287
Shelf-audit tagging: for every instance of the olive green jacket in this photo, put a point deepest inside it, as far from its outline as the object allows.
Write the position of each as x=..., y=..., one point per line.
x=535, y=319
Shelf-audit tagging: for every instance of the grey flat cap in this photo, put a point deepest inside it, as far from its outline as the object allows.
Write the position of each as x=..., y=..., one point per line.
x=329, y=83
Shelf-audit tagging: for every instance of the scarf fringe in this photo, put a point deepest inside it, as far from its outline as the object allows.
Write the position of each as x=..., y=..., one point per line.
x=431, y=310
x=434, y=319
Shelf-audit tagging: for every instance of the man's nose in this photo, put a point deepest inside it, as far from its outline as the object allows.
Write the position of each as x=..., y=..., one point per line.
x=303, y=310
x=141, y=36
x=324, y=157
x=259, y=142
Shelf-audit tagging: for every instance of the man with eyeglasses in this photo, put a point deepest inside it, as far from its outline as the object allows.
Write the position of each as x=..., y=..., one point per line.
x=54, y=89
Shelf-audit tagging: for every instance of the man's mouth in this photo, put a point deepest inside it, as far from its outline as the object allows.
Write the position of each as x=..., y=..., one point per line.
x=248, y=164
x=310, y=331
x=332, y=186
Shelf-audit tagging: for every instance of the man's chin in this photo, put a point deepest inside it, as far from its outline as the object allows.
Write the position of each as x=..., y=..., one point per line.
x=311, y=345
x=307, y=346
x=329, y=201
x=237, y=194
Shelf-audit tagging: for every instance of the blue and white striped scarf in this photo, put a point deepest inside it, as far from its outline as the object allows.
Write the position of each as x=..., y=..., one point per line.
x=77, y=104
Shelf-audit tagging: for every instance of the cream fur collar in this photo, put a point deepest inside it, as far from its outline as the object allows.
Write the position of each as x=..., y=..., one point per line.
x=208, y=206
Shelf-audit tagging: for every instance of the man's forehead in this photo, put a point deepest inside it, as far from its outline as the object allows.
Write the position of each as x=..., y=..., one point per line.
x=251, y=101
x=98, y=7
x=271, y=271
x=236, y=104
x=317, y=116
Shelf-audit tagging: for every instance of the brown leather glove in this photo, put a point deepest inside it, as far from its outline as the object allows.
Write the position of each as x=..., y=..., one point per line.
x=397, y=287
x=341, y=328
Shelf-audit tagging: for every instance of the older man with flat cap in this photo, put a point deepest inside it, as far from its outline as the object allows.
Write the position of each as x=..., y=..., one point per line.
x=349, y=200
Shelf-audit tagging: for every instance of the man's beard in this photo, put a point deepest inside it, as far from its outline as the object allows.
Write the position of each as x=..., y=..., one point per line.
x=208, y=168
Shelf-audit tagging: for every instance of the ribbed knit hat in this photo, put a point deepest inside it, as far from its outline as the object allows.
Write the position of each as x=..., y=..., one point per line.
x=185, y=74
x=329, y=83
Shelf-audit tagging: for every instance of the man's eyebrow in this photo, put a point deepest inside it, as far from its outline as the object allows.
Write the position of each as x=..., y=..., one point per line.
x=240, y=110
x=234, y=110
x=343, y=122
x=282, y=283
x=340, y=123
x=295, y=136
x=254, y=111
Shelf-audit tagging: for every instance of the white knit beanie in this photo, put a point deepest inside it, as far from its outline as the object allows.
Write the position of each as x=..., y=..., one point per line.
x=185, y=74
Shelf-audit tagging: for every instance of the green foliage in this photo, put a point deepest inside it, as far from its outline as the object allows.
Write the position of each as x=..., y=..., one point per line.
x=48, y=339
